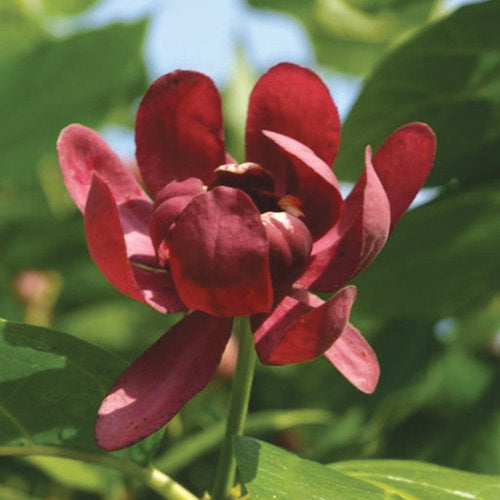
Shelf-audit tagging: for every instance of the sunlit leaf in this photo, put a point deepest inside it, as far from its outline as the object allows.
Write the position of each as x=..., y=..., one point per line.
x=74, y=474
x=51, y=385
x=19, y=31
x=417, y=480
x=271, y=472
x=67, y=7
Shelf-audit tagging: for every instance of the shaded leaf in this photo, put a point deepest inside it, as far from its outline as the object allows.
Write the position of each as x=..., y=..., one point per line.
x=447, y=76
x=440, y=259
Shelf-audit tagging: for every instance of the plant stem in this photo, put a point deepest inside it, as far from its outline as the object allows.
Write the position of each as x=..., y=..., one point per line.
x=154, y=478
x=240, y=395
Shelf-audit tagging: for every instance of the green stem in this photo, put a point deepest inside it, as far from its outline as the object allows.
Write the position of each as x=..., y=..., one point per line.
x=240, y=395
x=154, y=478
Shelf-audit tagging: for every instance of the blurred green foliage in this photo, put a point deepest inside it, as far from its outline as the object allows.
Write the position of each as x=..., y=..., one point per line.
x=430, y=304
x=67, y=7
x=351, y=36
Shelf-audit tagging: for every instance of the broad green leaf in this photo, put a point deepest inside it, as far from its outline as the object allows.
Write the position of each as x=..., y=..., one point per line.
x=67, y=7
x=51, y=385
x=441, y=258
x=448, y=76
x=270, y=472
x=352, y=36
x=412, y=480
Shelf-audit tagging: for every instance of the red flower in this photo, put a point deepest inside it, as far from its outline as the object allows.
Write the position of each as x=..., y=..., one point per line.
x=223, y=239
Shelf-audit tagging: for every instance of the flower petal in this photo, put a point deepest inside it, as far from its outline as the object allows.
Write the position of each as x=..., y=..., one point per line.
x=162, y=380
x=289, y=247
x=403, y=163
x=169, y=203
x=293, y=101
x=115, y=236
x=361, y=233
x=312, y=181
x=179, y=130
x=83, y=152
x=219, y=255
x=302, y=328
x=355, y=359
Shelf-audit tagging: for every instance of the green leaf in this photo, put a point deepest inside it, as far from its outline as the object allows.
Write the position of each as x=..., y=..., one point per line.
x=411, y=480
x=448, y=76
x=271, y=472
x=67, y=7
x=439, y=260
x=51, y=385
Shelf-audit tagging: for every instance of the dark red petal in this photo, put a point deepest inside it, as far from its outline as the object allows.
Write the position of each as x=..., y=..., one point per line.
x=219, y=255
x=403, y=163
x=116, y=235
x=361, y=233
x=83, y=152
x=169, y=203
x=293, y=101
x=312, y=181
x=303, y=328
x=179, y=130
x=289, y=247
x=355, y=359
x=162, y=380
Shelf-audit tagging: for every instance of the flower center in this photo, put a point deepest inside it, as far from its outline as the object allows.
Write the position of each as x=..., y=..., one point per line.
x=251, y=179
x=257, y=183
x=290, y=241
